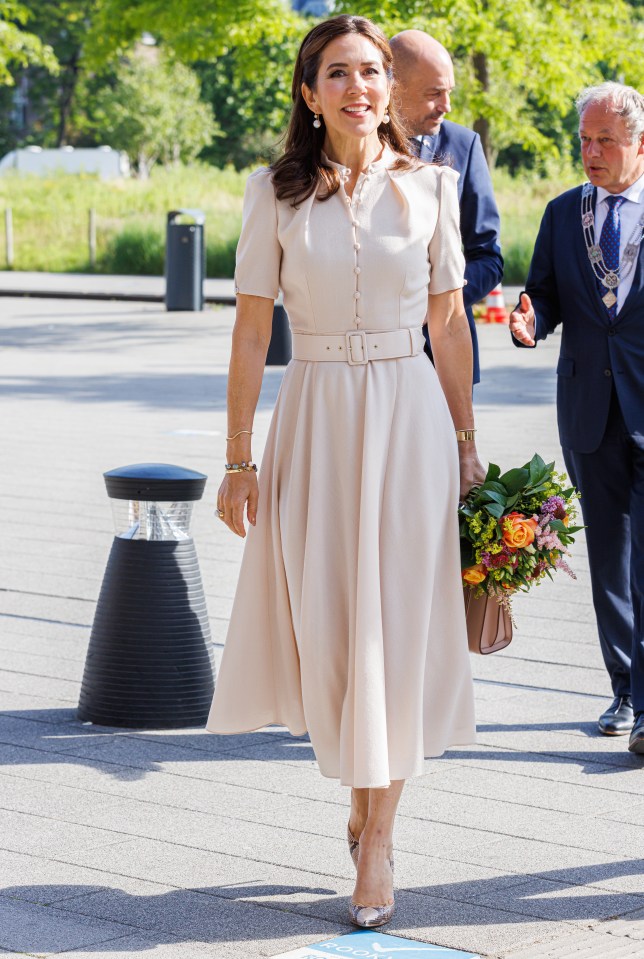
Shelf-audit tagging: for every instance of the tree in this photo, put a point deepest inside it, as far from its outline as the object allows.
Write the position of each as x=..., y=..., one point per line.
x=194, y=31
x=18, y=47
x=252, y=105
x=518, y=62
x=243, y=50
x=153, y=112
x=64, y=26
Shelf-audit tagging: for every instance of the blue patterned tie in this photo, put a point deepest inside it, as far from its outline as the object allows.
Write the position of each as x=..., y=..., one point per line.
x=609, y=243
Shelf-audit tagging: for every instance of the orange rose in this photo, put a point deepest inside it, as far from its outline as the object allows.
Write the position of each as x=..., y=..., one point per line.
x=518, y=531
x=474, y=574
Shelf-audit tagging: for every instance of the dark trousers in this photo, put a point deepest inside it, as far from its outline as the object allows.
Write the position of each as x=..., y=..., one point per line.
x=611, y=483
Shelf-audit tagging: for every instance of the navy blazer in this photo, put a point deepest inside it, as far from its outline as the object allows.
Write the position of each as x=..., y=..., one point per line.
x=594, y=353
x=460, y=148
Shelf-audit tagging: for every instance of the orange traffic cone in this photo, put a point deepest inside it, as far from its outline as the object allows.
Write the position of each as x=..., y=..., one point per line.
x=495, y=311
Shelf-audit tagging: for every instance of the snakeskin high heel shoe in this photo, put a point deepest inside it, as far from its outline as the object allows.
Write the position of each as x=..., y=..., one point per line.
x=368, y=916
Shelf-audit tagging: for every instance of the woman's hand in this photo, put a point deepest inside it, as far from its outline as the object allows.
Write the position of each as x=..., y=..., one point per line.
x=238, y=490
x=471, y=469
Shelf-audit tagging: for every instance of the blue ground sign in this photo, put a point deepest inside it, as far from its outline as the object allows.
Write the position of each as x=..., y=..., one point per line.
x=373, y=945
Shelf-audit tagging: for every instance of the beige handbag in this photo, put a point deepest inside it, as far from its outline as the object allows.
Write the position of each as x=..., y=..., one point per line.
x=489, y=627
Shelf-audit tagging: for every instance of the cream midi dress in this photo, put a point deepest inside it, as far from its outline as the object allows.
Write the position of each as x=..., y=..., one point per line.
x=348, y=619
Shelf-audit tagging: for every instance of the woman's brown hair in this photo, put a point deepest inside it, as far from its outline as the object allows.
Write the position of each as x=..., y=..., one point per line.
x=297, y=174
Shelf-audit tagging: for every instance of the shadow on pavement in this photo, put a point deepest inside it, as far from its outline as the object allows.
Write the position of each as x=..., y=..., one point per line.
x=218, y=913
x=162, y=390
x=53, y=736
x=88, y=333
x=588, y=729
x=591, y=763
x=515, y=386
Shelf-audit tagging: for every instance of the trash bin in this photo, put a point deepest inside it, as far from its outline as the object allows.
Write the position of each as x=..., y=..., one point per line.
x=279, y=348
x=185, y=260
x=150, y=657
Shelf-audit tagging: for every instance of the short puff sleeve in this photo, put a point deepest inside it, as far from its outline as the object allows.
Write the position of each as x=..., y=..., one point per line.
x=447, y=263
x=259, y=254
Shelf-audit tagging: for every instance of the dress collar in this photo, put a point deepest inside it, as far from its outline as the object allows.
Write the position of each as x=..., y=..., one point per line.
x=386, y=159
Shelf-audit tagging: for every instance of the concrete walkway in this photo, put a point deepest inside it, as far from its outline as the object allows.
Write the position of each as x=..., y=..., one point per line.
x=178, y=845
x=83, y=286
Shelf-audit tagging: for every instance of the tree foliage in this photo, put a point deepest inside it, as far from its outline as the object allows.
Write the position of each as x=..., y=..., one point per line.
x=518, y=63
x=252, y=103
x=243, y=50
x=195, y=31
x=153, y=112
x=64, y=26
x=18, y=46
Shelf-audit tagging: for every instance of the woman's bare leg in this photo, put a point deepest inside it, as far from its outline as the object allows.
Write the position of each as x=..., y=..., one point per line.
x=374, y=885
x=359, y=811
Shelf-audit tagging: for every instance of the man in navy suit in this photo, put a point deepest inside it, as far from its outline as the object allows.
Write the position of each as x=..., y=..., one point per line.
x=587, y=274
x=424, y=81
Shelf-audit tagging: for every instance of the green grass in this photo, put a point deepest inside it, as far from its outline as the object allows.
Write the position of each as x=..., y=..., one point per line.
x=50, y=218
x=522, y=201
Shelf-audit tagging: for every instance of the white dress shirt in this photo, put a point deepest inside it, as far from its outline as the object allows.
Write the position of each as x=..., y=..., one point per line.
x=629, y=214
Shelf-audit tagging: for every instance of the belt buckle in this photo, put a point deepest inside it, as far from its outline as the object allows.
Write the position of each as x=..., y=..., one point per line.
x=360, y=357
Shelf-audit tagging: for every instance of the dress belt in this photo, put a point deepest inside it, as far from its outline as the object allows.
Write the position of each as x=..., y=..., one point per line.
x=358, y=347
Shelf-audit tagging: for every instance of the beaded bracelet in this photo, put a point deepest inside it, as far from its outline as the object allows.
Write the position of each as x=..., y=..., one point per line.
x=241, y=467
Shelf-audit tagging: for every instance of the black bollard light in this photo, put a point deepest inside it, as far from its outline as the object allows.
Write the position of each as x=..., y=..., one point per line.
x=150, y=658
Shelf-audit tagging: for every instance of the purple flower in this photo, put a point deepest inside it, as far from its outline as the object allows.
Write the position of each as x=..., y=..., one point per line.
x=554, y=506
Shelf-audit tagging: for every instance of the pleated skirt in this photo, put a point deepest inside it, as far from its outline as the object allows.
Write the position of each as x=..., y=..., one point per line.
x=348, y=618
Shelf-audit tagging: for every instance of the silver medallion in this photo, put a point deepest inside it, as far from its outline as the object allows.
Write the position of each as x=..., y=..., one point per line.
x=609, y=299
x=608, y=278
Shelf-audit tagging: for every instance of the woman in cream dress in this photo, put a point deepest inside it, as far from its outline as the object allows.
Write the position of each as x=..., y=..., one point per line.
x=348, y=619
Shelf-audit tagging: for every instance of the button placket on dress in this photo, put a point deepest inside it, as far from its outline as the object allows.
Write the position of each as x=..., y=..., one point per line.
x=352, y=209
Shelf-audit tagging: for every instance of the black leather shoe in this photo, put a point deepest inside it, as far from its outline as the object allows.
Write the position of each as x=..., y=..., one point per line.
x=636, y=742
x=618, y=718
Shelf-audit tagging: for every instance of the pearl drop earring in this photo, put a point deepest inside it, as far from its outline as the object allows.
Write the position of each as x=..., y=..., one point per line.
x=385, y=119
x=316, y=121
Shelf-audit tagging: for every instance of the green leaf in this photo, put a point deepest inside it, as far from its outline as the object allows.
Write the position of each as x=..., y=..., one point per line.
x=558, y=526
x=515, y=480
x=495, y=497
x=494, y=485
x=537, y=469
x=495, y=509
x=493, y=472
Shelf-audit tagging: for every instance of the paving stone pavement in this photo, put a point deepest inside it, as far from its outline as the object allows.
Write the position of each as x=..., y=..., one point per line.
x=117, y=844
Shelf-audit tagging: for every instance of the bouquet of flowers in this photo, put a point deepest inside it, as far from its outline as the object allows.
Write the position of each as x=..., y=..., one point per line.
x=515, y=529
